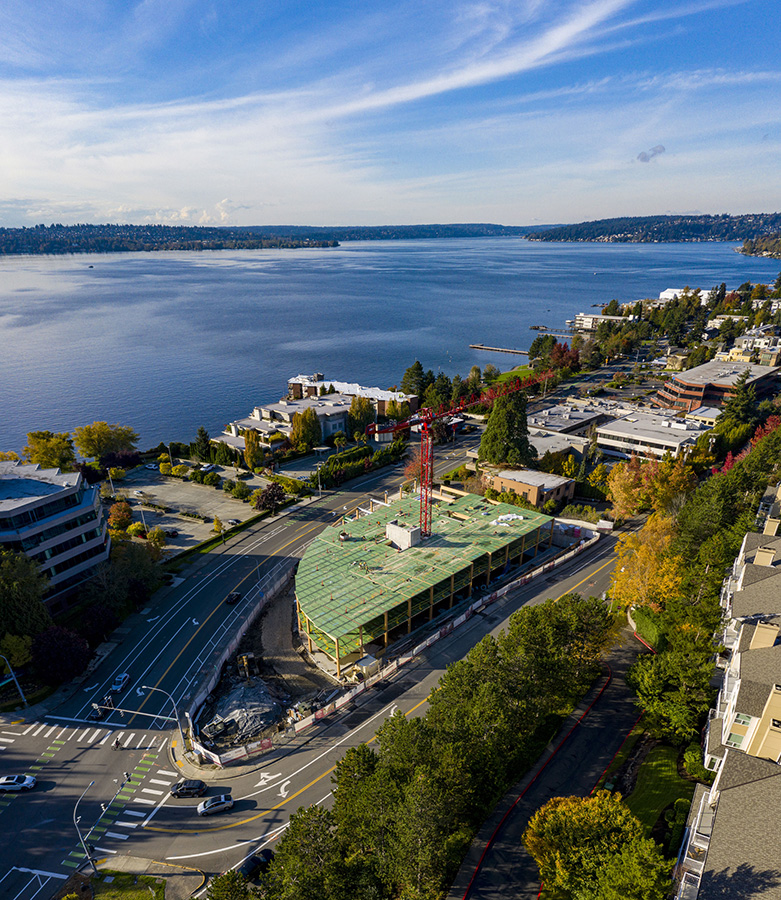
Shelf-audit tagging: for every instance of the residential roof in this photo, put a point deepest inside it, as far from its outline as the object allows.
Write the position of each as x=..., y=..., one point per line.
x=352, y=388
x=744, y=856
x=759, y=598
x=713, y=746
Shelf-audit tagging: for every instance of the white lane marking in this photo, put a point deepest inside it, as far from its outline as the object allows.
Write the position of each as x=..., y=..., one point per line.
x=7, y=740
x=166, y=772
x=143, y=800
x=61, y=734
x=72, y=735
x=133, y=812
x=87, y=690
x=150, y=791
x=36, y=733
x=156, y=810
x=16, y=733
x=86, y=732
x=97, y=732
x=30, y=728
x=116, y=834
x=104, y=849
x=268, y=835
x=53, y=728
x=157, y=781
x=108, y=735
x=35, y=872
x=265, y=777
x=3, y=747
x=140, y=741
x=284, y=790
x=127, y=824
x=129, y=738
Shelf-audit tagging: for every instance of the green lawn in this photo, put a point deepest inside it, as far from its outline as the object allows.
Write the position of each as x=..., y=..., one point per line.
x=658, y=785
x=519, y=372
x=128, y=887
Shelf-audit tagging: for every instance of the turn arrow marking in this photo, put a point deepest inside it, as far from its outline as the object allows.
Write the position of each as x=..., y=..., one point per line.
x=265, y=777
x=283, y=791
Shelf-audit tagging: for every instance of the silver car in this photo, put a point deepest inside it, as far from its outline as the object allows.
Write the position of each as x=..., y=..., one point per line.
x=215, y=805
x=17, y=783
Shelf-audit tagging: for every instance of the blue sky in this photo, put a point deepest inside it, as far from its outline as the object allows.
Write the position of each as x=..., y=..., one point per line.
x=258, y=112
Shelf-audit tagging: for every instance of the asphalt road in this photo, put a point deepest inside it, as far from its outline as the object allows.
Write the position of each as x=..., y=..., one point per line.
x=165, y=646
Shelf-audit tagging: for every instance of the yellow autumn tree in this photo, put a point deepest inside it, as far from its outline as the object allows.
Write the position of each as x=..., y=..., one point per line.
x=646, y=572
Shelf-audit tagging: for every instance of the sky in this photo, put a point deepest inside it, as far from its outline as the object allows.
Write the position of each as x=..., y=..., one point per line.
x=519, y=112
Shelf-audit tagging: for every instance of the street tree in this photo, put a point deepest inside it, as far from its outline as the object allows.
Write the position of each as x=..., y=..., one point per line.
x=100, y=438
x=647, y=573
x=506, y=436
x=361, y=415
x=305, y=429
x=231, y=885
x=22, y=588
x=572, y=838
x=16, y=649
x=120, y=515
x=50, y=450
x=270, y=498
x=253, y=454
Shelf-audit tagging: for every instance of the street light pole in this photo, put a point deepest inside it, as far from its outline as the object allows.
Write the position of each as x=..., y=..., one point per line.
x=147, y=687
x=18, y=686
x=78, y=830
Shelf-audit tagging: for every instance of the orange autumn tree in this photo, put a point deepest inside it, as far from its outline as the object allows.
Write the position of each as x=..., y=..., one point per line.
x=646, y=572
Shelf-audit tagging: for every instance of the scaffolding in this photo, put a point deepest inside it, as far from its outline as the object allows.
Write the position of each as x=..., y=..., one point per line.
x=354, y=588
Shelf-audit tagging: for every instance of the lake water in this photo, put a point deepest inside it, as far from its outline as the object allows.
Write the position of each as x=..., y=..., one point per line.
x=166, y=342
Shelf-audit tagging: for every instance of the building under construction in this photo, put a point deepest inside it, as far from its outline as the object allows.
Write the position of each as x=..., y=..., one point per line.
x=365, y=582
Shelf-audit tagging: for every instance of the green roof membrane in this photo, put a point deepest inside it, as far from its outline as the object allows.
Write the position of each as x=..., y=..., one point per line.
x=342, y=585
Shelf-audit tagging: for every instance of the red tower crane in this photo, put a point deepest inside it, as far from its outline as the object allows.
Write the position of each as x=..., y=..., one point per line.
x=426, y=416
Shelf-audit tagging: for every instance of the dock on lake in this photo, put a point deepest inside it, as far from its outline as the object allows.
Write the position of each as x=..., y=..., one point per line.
x=498, y=349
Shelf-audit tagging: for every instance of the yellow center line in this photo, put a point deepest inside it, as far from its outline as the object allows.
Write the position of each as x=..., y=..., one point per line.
x=273, y=808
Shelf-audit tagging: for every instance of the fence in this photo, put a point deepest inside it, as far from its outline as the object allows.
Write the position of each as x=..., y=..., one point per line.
x=282, y=738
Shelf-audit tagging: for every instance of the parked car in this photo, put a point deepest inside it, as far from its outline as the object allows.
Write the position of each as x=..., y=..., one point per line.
x=17, y=783
x=120, y=683
x=233, y=597
x=255, y=864
x=207, y=468
x=189, y=788
x=171, y=532
x=215, y=805
x=234, y=522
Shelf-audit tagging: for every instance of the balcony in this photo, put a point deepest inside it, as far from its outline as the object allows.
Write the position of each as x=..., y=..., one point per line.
x=691, y=862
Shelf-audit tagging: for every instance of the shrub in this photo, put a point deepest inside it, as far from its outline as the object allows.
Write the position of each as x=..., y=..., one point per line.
x=649, y=627
x=197, y=476
x=165, y=468
x=211, y=478
x=180, y=471
x=136, y=529
x=228, y=485
x=692, y=762
x=241, y=491
x=117, y=474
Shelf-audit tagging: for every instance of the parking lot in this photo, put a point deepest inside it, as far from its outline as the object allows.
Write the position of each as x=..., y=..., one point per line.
x=143, y=486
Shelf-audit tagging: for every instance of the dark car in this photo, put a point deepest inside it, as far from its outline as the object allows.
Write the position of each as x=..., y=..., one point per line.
x=255, y=864
x=233, y=597
x=190, y=788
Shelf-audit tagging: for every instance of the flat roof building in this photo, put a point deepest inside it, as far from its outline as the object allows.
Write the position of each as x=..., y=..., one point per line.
x=55, y=519
x=359, y=586
x=711, y=383
x=649, y=434
x=535, y=486
x=314, y=385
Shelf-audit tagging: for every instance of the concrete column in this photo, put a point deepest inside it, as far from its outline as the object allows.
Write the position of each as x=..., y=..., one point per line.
x=308, y=632
x=338, y=661
x=488, y=573
x=360, y=633
x=409, y=615
x=386, y=627
x=452, y=591
x=431, y=603
x=550, y=539
x=471, y=577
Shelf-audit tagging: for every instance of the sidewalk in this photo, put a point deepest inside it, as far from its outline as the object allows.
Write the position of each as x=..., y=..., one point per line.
x=497, y=865
x=181, y=881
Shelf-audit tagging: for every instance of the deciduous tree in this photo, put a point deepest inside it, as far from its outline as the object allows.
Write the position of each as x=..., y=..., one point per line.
x=22, y=588
x=50, y=450
x=231, y=885
x=100, y=438
x=59, y=655
x=120, y=515
x=252, y=451
x=305, y=429
x=8, y=456
x=271, y=498
x=361, y=414
x=647, y=573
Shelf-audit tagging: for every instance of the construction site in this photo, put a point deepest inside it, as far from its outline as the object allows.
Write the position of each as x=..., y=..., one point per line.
x=367, y=581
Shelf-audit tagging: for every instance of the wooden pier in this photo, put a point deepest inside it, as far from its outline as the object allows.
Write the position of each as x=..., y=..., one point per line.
x=498, y=349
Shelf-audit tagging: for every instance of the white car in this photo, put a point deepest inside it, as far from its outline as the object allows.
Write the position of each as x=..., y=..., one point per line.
x=120, y=683
x=17, y=783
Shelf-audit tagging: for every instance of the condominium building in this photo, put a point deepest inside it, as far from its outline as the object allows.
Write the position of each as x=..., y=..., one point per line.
x=711, y=383
x=57, y=520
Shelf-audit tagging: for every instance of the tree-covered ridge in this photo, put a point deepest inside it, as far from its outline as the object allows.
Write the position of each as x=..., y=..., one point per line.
x=51, y=239
x=769, y=245
x=393, y=232
x=639, y=229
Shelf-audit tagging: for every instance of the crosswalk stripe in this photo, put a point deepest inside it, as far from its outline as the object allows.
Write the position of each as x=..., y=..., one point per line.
x=116, y=834
x=53, y=728
x=127, y=824
x=108, y=735
x=166, y=772
x=150, y=791
x=129, y=738
x=157, y=781
x=7, y=740
x=36, y=733
x=143, y=800
x=97, y=732
x=134, y=812
x=30, y=728
x=86, y=732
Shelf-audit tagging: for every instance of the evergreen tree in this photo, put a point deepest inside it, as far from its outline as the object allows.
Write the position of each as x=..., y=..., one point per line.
x=506, y=437
x=202, y=445
x=740, y=407
x=22, y=587
x=413, y=380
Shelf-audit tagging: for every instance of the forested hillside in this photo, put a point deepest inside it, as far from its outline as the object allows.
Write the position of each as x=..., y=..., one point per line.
x=763, y=246
x=639, y=229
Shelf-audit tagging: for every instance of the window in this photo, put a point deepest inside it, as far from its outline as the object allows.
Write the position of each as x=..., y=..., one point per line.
x=775, y=723
x=742, y=719
x=734, y=740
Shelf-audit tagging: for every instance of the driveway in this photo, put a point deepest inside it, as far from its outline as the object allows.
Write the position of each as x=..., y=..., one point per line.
x=579, y=756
